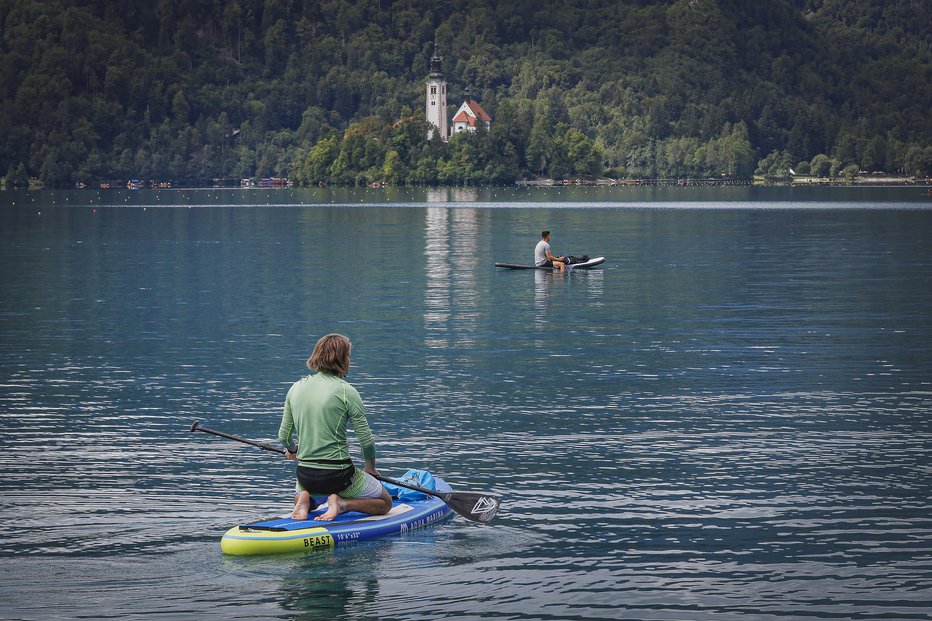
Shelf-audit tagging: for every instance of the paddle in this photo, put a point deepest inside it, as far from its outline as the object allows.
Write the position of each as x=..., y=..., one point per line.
x=473, y=506
x=263, y=445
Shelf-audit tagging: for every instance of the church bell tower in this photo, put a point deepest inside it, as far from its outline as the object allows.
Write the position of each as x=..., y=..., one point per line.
x=436, y=98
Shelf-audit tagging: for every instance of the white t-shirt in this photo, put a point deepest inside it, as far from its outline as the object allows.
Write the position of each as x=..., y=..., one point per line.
x=540, y=253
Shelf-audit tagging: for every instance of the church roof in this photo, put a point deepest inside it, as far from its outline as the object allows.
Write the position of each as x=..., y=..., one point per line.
x=470, y=111
x=462, y=117
x=477, y=110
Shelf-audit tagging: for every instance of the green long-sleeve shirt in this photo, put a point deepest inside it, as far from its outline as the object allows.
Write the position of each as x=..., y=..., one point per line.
x=318, y=407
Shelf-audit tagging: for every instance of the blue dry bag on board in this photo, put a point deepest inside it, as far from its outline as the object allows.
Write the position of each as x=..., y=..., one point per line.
x=421, y=478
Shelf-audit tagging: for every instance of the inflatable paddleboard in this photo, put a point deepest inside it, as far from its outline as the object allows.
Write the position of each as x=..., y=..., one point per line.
x=284, y=534
x=573, y=266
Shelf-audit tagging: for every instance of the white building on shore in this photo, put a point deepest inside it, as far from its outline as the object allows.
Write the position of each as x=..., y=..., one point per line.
x=469, y=116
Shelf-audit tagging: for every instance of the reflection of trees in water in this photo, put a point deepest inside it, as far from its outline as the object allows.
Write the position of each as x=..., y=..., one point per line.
x=458, y=195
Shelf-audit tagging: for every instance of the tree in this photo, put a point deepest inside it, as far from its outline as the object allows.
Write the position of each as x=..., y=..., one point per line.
x=393, y=169
x=340, y=171
x=17, y=177
x=181, y=111
x=655, y=87
x=316, y=166
x=836, y=170
x=540, y=146
x=918, y=161
x=737, y=153
x=583, y=157
x=821, y=165
x=776, y=164
x=872, y=153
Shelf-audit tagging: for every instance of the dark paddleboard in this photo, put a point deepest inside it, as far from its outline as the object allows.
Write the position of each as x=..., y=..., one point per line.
x=574, y=266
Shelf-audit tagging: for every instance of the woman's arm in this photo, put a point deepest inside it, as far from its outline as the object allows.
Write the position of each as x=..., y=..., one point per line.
x=286, y=427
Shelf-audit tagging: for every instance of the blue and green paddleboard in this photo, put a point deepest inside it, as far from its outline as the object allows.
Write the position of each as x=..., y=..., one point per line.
x=418, y=500
x=284, y=534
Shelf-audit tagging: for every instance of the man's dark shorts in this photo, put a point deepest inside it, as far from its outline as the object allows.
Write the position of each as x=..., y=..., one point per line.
x=319, y=481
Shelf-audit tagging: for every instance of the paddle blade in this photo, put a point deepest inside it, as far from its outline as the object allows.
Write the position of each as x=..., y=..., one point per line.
x=473, y=506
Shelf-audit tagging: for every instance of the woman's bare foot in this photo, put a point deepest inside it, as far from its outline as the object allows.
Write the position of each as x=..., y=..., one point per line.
x=302, y=504
x=335, y=506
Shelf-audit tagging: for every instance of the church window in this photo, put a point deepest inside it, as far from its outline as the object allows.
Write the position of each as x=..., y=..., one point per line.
x=433, y=90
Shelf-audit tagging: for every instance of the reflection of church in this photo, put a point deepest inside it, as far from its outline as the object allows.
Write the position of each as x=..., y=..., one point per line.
x=469, y=116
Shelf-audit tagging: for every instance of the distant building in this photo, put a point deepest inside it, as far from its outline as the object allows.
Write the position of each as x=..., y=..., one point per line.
x=470, y=116
x=436, y=99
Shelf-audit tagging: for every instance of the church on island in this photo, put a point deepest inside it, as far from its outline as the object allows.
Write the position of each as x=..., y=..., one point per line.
x=469, y=116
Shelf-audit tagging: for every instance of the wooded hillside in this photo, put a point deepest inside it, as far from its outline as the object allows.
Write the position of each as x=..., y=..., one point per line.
x=332, y=90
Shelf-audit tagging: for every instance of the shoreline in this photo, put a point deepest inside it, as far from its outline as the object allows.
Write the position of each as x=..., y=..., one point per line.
x=605, y=183
x=798, y=180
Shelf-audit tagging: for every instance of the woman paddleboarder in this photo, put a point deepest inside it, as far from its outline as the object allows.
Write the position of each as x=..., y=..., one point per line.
x=318, y=408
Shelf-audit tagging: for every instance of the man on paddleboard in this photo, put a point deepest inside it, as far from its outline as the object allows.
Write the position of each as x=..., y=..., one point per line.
x=318, y=408
x=542, y=256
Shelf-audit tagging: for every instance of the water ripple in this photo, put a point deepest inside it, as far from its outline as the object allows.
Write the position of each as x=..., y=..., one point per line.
x=730, y=420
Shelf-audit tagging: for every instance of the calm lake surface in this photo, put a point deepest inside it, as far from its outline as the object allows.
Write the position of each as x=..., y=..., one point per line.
x=730, y=419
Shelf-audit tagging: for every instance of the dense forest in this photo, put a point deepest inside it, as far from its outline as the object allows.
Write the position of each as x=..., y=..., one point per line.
x=333, y=90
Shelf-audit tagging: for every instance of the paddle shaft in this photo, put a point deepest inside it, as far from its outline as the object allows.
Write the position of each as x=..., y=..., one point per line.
x=473, y=506
x=263, y=445
x=268, y=447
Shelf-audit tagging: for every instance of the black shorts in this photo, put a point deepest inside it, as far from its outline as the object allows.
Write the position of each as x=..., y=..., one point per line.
x=321, y=481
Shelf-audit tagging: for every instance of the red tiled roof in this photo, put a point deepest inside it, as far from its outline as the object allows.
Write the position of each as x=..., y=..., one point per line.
x=470, y=119
x=478, y=111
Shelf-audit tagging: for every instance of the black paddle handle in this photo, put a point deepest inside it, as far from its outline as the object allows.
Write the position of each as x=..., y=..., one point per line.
x=263, y=445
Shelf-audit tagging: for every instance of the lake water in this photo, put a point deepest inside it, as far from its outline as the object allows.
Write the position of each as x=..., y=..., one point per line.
x=730, y=419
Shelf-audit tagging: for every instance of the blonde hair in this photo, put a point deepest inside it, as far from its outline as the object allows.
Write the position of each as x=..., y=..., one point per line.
x=331, y=354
